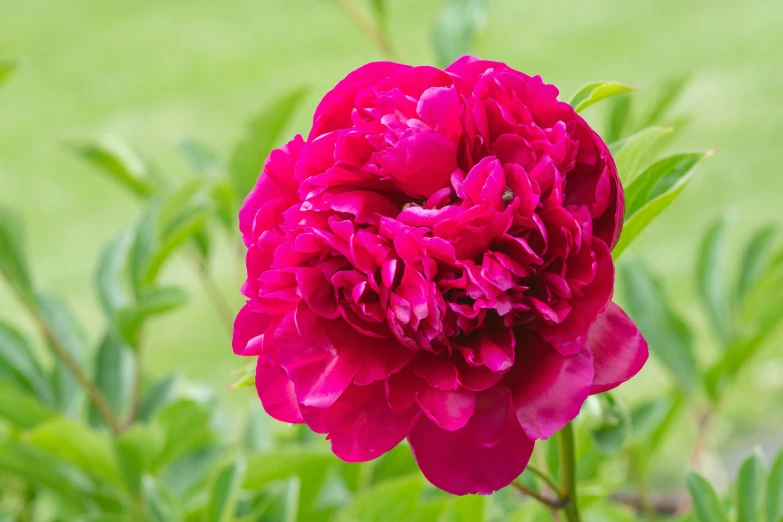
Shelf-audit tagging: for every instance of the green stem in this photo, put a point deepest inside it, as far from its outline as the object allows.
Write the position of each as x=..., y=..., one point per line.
x=553, y=503
x=543, y=476
x=568, y=473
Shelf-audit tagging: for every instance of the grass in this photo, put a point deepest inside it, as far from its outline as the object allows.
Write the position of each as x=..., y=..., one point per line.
x=153, y=72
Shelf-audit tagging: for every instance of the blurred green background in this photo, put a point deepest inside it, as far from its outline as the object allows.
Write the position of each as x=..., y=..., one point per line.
x=154, y=72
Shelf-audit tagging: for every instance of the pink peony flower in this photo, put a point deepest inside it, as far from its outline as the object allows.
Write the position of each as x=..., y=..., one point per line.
x=433, y=262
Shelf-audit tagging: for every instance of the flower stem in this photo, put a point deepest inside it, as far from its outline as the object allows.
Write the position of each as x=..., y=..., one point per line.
x=368, y=27
x=543, y=476
x=568, y=473
x=554, y=503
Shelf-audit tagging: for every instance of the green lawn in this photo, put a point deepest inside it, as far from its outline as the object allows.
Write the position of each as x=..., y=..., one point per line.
x=153, y=71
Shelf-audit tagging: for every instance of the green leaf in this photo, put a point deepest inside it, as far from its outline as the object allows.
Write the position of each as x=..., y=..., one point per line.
x=185, y=424
x=152, y=302
x=664, y=98
x=705, y=502
x=75, y=443
x=594, y=92
x=136, y=450
x=39, y=469
x=396, y=499
x=614, y=429
x=619, y=117
x=200, y=157
x=750, y=489
x=115, y=158
x=667, y=334
x=774, y=503
x=261, y=136
x=654, y=190
x=61, y=322
x=161, y=505
x=754, y=260
x=7, y=68
x=712, y=280
x=22, y=409
x=468, y=508
x=19, y=366
x=636, y=152
x=264, y=468
x=111, y=270
x=457, y=29
x=158, y=395
x=648, y=417
x=245, y=377
x=13, y=256
x=114, y=376
x=186, y=474
x=225, y=490
x=168, y=222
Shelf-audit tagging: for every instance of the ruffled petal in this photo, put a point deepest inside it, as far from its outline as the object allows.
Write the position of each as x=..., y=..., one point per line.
x=618, y=348
x=454, y=462
x=360, y=424
x=449, y=409
x=249, y=327
x=548, y=389
x=276, y=392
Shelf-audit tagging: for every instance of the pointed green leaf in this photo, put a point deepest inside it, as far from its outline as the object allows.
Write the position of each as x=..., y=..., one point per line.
x=168, y=222
x=186, y=426
x=151, y=302
x=13, y=257
x=457, y=29
x=653, y=191
x=754, y=259
x=396, y=499
x=750, y=489
x=109, y=276
x=264, y=468
x=706, y=505
x=61, y=322
x=136, y=450
x=636, y=152
x=712, y=280
x=666, y=333
x=118, y=160
x=594, y=92
x=158, y=395
x=114, y=376
x=76, y=444
x=39, y=469
x=186, y=475
x=648, y=417
x=262, y=135
x=619, y=117
x=161, y=505
x=19, y=365
x=663, y=99
x=225, y=490
x=21, y=409
x=774, y=502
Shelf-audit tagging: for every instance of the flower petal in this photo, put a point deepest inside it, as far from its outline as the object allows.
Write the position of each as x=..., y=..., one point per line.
x=449, y=409
x=618, y=348
x=454, y=462
x=360, y=424
x=276, y=392
x=548, y=389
